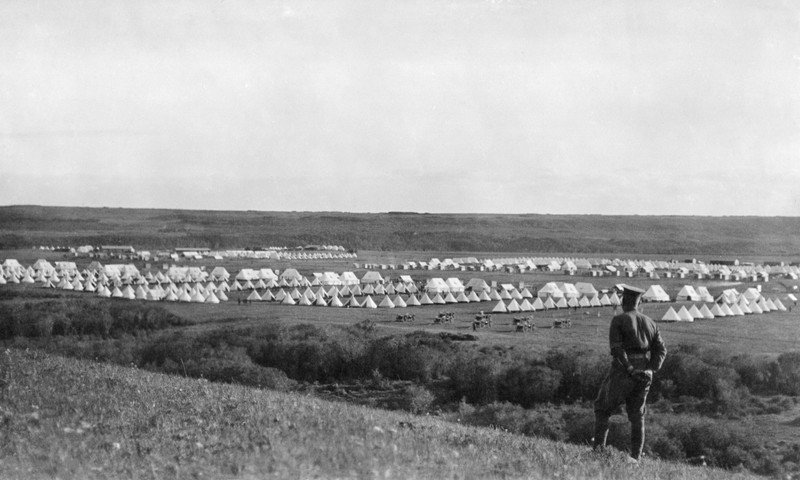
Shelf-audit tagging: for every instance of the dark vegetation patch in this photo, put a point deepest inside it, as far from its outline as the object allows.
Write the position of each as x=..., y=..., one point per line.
x=23, y=226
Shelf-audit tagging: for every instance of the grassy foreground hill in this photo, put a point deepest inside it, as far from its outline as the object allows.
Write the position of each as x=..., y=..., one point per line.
x=64, y=418
x=24, y=226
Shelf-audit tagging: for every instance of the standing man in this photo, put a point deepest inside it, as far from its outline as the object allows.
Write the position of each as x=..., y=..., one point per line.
x=637, y=351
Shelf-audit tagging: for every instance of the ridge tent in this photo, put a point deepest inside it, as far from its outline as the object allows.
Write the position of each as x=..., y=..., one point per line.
x=687, y=293
x=655, y=293
x=436, y=285
x=372, y=277
x=550, y=290
x=478, y=285
x=454, y=285
x=348, y=278
x=705, y=296
x=291, y=275
x=586, y=289
x=568, y=289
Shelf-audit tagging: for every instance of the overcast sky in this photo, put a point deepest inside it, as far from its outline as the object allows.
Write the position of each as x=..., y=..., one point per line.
x=581, y=107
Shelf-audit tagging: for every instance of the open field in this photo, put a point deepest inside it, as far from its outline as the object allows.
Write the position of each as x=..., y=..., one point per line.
x=763, y=237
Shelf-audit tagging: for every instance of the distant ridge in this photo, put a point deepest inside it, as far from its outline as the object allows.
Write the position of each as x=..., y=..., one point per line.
x=24, y=226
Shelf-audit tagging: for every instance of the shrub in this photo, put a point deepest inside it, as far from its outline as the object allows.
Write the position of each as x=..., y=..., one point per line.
x=418, y=356
x=788, y=381
x=528, y=384
x=581, y=373
x=417, y=399
x=473, y=379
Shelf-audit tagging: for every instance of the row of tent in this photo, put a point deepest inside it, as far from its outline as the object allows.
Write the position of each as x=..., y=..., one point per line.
x=763, y=305
x=565, y=264
x=549, y=304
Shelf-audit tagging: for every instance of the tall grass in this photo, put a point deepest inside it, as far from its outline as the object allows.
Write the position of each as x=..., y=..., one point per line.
x=65, y=418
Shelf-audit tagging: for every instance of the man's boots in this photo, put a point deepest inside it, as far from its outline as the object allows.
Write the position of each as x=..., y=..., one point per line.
x=637, y=437
x=600, y=431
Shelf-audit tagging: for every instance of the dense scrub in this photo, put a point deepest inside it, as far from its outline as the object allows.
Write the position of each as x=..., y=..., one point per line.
x=81, y=317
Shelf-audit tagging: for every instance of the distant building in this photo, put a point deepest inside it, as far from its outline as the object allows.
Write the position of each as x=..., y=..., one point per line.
x=117, y=249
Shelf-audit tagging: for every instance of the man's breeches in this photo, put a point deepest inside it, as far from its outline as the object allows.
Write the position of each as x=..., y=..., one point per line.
x=619, y=388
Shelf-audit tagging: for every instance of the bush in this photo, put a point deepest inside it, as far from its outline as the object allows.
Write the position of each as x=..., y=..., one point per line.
x=528, y=384
x=418, y=356
x=788, y=381
x=473, y=379
x=417, y=399
x=581, y=373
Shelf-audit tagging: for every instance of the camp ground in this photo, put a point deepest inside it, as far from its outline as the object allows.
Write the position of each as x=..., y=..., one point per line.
x=676, y=294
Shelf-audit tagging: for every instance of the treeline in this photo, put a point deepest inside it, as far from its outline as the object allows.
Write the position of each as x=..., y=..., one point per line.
x=23, y=226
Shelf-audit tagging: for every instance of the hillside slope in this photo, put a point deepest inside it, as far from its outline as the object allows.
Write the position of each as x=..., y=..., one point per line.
x=24, y=226
x=70, y=419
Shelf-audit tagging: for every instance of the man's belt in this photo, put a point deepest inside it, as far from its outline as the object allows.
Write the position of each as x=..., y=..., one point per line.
x=638, y=356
